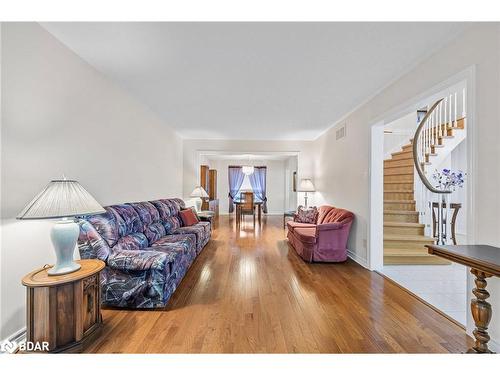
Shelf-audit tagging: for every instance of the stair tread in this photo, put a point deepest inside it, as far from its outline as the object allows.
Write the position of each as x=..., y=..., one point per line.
x=407, y=237
x=402, y=224
x=400, y=212
x=403, y=252
x=401, y=152
x=398, y=191
x=406, y=201
x=397, y=166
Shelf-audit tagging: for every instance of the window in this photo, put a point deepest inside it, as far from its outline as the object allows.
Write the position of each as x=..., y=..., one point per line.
x=246, y=186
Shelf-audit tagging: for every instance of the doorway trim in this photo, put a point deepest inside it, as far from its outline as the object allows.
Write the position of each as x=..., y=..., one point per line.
x=376, y=173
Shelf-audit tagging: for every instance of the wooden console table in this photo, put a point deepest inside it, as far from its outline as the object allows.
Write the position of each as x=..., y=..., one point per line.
x=484, y=262
x=64, y=310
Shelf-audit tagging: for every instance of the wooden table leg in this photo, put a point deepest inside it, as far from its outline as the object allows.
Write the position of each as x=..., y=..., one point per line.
x=259, y=207
x=481, y=312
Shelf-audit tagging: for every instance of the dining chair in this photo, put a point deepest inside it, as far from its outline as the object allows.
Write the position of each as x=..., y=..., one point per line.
x=247, y=206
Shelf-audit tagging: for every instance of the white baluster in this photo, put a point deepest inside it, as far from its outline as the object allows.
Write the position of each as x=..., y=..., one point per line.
x=425, y=134
x=451, y=118
x=456, y=117
x=445, y=117
x=429, y=124
x=464, y=105
x=433, y=131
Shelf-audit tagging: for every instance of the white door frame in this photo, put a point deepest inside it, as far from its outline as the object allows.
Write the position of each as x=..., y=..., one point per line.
x=376, y=170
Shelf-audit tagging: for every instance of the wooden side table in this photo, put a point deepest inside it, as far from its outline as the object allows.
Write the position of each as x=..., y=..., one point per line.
x=206, y=215
x=287, y=214
x=484, y=262
x=64, y=310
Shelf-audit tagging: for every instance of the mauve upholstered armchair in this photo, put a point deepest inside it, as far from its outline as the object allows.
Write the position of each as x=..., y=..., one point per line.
x=325, y=241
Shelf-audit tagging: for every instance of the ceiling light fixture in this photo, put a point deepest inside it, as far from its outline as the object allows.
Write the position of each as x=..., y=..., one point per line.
x=248, y=169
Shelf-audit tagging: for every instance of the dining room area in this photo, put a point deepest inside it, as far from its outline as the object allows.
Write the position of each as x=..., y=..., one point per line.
x=253, y=186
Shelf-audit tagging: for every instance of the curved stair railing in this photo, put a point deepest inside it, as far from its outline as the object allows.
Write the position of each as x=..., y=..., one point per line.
x=437, y=125
x=424, y=144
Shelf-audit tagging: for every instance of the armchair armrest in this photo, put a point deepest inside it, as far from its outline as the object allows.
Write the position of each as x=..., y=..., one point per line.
x=329, y=226
x=137, y=260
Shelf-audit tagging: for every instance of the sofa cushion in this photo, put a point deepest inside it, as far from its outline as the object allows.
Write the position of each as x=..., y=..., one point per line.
x=307, y=235
x=306, y=215
x=150, y=217
x=175, y=205
x=198, y=230
x=174, y=255
x=188, y=217
x=131, y=220
x=168, y=211
x=134, y=241
x=106, y=225
x=188, y=241
x=293, y=224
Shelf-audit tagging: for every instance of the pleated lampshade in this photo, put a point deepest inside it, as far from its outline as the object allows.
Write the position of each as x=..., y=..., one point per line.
x=199, y=192
x=61, y=198
x=306, y=185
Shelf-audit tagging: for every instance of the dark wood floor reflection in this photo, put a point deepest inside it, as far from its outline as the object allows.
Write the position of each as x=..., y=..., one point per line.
x=248, y=292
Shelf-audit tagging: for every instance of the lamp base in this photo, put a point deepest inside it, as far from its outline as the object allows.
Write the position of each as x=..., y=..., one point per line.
x=198, y=203
x=62, y=270
x=64, y=234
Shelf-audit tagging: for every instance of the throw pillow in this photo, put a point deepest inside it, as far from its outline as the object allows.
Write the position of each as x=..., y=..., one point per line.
x=306, y=215
x=188, y=218
x=193, y=208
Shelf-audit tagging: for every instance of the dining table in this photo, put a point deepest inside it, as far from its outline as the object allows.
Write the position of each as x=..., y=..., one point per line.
x=257, y=203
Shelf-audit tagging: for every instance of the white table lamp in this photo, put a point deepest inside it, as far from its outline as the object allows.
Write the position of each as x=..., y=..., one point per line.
x=199, y=193
x=62, y=199
x=306, y=186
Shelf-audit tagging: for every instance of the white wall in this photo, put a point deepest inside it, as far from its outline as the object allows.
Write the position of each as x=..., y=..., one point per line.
x=59, y=115
x=402, y=130
x=275, y=182
x=342, y=167
x=193, y=148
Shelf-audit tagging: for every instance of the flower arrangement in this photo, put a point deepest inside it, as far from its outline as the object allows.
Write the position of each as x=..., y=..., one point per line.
x=448, y=179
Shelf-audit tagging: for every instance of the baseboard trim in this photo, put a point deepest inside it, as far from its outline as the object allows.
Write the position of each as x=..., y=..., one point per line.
x=361, y=261
x=11, y=344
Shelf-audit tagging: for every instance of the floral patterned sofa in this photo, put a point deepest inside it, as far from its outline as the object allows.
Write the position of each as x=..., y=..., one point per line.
x=146, y=248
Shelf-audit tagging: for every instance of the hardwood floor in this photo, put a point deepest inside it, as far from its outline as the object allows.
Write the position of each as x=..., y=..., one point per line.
x=248, y=292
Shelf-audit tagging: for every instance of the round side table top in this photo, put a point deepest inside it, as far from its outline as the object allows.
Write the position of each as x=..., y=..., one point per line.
x=40, y=277
x=206, y=213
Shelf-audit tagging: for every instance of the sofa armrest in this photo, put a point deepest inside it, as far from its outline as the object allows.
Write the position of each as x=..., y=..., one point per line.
x=90, y=243
x=329, y=226
x=137, y=260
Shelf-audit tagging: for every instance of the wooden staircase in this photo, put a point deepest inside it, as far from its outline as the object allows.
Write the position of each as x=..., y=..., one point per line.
x=404, y=237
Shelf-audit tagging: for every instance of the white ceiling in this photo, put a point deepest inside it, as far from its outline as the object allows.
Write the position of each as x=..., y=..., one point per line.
x=253, y=80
